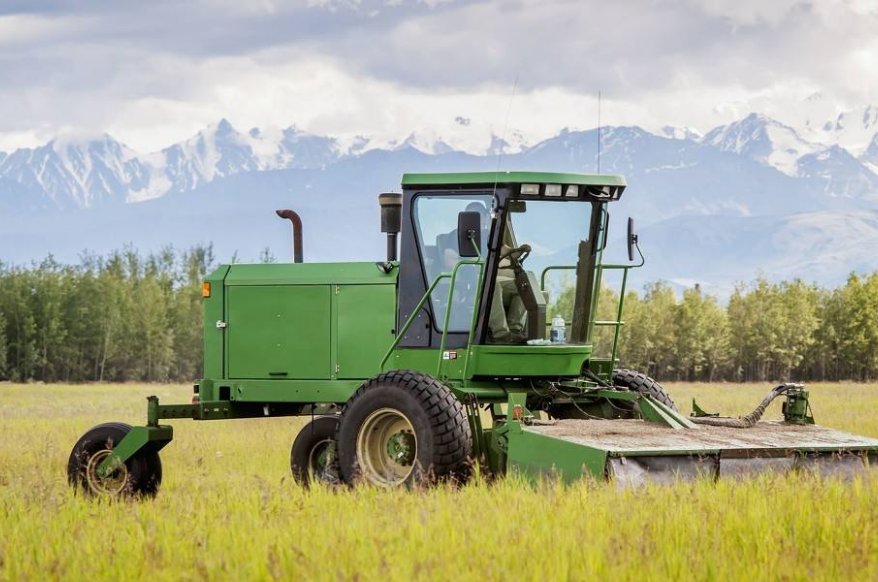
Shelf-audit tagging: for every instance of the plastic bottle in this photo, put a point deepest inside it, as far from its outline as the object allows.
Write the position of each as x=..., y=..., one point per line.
x=558, y=332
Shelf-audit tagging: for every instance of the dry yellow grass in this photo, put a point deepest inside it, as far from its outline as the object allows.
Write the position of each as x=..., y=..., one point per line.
x=228, y=510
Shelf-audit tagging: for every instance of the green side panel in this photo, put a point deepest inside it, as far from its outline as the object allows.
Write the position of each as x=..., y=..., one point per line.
x=310, y=274
x=278, y=332
x=365, y=328
x=533, y=454
x=305, y=391
x=428, y=360
x=516, y=360
x=501, y=178
x=213, y=336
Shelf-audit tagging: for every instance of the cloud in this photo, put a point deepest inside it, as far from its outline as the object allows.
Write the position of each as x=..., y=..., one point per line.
x=155, y=72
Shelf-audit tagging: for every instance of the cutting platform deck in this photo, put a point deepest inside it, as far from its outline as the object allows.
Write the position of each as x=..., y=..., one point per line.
x=628, y=437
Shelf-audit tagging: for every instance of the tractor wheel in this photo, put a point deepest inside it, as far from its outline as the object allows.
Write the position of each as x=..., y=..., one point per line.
x=313, y=452
x=403, y=428
x=139, y=476
x=639, y=382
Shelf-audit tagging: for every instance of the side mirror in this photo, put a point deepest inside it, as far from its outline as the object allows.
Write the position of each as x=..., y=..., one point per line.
x=469, y=234
x=632, y=239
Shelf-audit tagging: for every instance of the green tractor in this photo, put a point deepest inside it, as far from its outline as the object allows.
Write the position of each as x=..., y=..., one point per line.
x=415, y=368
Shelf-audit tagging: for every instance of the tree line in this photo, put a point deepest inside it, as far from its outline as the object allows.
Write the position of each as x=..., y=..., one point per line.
x=122, y=317
x=766, y=332
x=128, y=317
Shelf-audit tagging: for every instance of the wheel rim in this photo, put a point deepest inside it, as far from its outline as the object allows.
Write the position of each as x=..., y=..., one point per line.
x=320, y=461
x=113, y=484
x=387, y=447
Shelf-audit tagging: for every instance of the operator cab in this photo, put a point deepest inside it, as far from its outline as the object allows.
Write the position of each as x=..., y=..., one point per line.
x=483, y=242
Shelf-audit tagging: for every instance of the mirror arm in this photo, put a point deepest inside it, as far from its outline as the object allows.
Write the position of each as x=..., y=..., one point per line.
x=472, y=239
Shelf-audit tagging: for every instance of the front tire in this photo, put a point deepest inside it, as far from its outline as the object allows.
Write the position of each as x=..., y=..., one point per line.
x=630, y=379
x=139, y=476
x=403, y=428
x=643, y=384
x=313, y=454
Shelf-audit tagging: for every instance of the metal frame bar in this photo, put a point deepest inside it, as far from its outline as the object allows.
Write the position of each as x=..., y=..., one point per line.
x=618, y=322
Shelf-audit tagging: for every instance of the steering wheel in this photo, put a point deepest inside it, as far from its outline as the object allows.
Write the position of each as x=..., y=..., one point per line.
x=516, y=255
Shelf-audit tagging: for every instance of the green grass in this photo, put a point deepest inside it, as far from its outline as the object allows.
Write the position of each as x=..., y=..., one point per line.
x=228, y=509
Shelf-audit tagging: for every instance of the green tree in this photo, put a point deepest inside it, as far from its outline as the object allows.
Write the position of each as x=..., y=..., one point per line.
x=47, y=301
x=702, y=340
x=649, y=334
x=151, y=331
x=3, y=346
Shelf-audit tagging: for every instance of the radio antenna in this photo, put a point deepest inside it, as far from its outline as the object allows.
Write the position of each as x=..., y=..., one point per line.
x=503, y=135
x=599, y=132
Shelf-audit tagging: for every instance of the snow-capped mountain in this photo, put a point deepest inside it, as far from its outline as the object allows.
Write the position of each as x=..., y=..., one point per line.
x=78, y=173
x=852, y=130
x=694, y=195
x=840, y=173
x=84, y=173
x=870, y=156
x=762, y=139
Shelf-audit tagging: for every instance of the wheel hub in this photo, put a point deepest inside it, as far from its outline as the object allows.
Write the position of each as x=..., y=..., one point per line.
x=113, y=484
x=321, y=460
x=401, y=446
x=387, y=447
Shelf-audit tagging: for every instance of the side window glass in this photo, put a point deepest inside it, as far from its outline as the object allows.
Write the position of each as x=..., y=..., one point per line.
x=436, y=229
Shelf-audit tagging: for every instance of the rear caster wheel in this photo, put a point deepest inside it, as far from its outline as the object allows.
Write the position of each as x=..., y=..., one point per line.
x=313, y=453
x=139, y=476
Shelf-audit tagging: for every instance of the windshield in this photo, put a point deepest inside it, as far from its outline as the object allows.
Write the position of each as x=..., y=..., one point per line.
x=538, y=234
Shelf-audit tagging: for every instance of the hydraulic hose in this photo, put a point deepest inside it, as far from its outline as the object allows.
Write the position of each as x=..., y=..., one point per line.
x=751, y=419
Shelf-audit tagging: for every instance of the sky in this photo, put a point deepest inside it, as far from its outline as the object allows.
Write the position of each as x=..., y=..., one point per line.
x=154, y=73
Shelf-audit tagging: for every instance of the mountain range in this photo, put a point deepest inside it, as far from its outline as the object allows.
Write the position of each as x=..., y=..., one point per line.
x=756, y=197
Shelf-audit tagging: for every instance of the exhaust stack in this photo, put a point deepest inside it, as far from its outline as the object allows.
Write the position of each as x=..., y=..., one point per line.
x=391, y=218
x=294, y=219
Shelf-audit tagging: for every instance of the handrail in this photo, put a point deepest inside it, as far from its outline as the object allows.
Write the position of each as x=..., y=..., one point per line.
x=553, y=268
x=617, y=323
x=452, y=275
x=411, y=318
x=442, y=342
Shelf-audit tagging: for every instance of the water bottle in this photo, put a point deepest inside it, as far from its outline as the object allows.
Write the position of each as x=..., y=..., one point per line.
x=558, y=331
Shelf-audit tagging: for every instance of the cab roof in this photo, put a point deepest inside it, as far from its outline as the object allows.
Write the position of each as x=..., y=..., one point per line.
x=510, y=177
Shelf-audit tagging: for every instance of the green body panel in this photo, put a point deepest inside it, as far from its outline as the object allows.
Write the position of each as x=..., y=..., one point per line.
x=365, y=322
x=214, y=306
x=502, y=178
x=317, y=321
x=514, y=360
x=309, y=274
x=278, y=331
x=298, y=391
x=430, y=361
x=533, y=455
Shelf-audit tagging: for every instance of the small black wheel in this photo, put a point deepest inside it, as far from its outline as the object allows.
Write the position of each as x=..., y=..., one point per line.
x=403, y=428
x=639, y=382
x=313, y=452
x=139, y=476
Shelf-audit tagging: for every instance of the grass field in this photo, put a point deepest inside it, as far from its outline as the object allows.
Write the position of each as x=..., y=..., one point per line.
x=229, y=511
